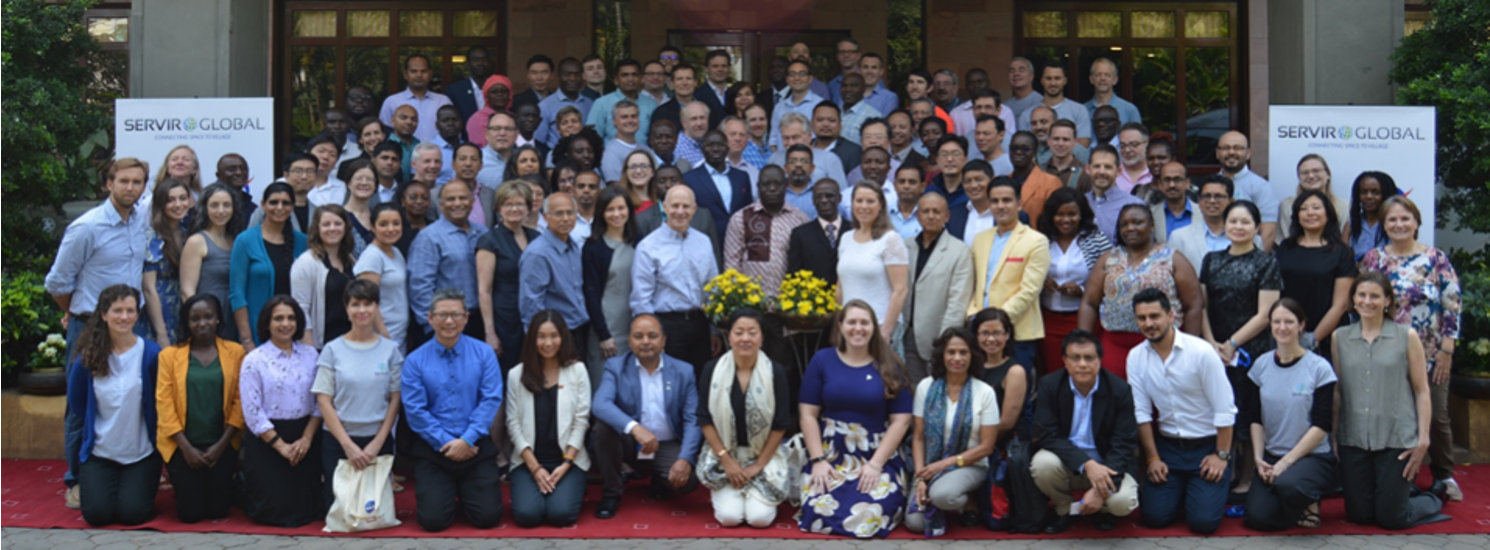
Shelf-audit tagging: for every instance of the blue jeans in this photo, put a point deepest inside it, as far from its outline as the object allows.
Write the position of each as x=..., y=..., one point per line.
x=1204, y=501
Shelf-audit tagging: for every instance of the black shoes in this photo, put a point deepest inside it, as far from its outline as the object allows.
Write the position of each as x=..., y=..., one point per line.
x=1104, y=521
x=607, y=508
x=1060, y=525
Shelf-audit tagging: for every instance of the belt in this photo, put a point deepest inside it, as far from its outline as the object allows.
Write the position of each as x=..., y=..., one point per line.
x=686, y=315
x=1196, y=443
x=84, y=317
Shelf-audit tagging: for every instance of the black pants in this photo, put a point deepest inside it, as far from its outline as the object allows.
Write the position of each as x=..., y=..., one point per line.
x=204, y=493
x=1278, y=506
x=476, y=483
x=687, y=337
x=332, y=453
x=1377, y=494
x=532, y=508
x=276, y=493
x=613, y=448
x=119, y=493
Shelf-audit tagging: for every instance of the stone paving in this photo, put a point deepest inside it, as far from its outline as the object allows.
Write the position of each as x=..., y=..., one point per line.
x=69, y=539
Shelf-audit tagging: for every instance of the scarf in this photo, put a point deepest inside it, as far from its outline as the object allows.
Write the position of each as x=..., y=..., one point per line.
x=476, y=126
x=771, y=486
x=939, y=445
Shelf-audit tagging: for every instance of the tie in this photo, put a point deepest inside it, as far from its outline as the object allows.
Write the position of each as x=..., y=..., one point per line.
x=832, y=232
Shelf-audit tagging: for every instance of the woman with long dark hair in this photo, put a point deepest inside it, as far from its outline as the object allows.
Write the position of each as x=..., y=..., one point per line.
x=548, y=416
x=1370, y=189
x=207, y=254
x=161, y=282
x=320, y=275
x=607, y=258
x=525, y=160
x=739, y=97
x=1067, y=219
x=855, y=411
x=111, y=387
x=281, y=462
x=951, y=454
x=1317, y=268
x=200, y=417
x=260, y=263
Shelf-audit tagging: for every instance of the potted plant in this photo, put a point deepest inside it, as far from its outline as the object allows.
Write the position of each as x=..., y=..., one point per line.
x=1471, y=376
x=28, y=314
x=46, y=374
x=732, y=291
x=805, y=302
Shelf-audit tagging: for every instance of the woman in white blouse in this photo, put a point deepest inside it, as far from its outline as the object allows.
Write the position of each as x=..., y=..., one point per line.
x=957, y=420
x=1075, y=245
x=873, y=264
x=548, y=415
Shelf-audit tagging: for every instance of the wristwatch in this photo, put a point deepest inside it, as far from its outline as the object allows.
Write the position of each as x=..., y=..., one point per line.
x=1224, y=455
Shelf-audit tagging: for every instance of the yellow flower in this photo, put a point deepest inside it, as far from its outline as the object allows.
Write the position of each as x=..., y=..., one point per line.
x=804, y=308
x=788, y=304
x=755, y=299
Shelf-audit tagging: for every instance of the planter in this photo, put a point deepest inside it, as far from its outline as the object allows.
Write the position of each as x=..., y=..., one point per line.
x=44, y=381
x=1470, y=386
x=800, y=323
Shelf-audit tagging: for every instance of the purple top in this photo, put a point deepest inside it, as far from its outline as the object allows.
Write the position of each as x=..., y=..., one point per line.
x=857, y=394
x=276, y=385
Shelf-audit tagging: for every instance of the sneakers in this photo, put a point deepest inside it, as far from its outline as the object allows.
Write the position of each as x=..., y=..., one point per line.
x=73, y=498
x=1451, y=490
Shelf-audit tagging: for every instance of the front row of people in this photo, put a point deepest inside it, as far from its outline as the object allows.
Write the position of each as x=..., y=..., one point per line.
x=877, y=448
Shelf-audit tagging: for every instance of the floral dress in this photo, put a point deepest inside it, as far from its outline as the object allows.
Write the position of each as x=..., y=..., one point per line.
x=853, y=418
x=1427, y=290
x=167, y=286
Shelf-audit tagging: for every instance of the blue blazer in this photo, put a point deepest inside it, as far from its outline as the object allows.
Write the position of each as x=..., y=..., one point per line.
x=251, y=275
x=80, y=397
x=708, y=196
x=618, y=402
x=463, y=94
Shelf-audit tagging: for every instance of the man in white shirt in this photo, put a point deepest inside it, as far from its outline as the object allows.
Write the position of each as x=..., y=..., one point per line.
x=586, y=191
x=1187, y=447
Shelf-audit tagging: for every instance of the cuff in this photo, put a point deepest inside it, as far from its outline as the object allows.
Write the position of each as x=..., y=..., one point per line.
x=629, y=426
x=1225, y=420
x=471, y=437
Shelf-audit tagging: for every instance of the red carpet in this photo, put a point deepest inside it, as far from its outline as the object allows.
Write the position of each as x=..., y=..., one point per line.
x=31, y=496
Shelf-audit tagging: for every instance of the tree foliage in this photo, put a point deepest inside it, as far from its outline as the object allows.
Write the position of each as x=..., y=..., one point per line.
x=50, y=127
x=1447, y=65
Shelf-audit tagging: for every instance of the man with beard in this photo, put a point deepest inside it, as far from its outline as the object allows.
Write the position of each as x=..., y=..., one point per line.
x=1063, y=163
x=1035, y=186
x=1041, y=119
x=1187, y=444
x=1233, y=151
x=1053, y=85
x=717, y=188
x=1105, y=197
x=826, y=125
x=756, y=239
x=1176, y=211
x=944, y=90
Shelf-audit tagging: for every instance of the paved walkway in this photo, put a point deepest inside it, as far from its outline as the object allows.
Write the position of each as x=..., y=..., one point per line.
x=69, y=539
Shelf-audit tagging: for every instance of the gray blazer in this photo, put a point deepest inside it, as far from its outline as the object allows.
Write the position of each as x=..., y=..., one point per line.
x=944, y=288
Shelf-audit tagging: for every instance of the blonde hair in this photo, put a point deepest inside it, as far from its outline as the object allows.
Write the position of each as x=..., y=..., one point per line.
x=195, y=181
x=128, y=163
x=1405, y=203
x=881, y=224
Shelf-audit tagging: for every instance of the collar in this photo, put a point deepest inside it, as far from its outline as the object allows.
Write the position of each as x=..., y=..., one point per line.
x=830, y=147
x=1050, y=165
x=444, y=224
x=1096, y=385
x=837, y=224
x=1187, y=209
x=921, y=240
x=895, y=211
x=450, y=352
x=566, y=245
x=713, y=172
x=674, y=234
x=111, y=213
x=1244, y=172
x=786, y=208
x=737, y=164
x=643, y=368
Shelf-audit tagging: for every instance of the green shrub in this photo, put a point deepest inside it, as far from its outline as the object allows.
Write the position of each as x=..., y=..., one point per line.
x=28, y=314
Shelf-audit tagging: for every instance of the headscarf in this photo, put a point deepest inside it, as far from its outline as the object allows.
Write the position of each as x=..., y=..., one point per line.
x=476, y=126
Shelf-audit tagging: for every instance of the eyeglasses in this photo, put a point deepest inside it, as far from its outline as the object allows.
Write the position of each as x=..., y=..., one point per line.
x=501, y=128
x=278, y=202
x=799, y=161
x=1231, y=149
x=447, y=316
x=302, y=171
x=790, y=74
x=951, y=154
x=668, y=57
x=1134, y=144
x=1214, y=197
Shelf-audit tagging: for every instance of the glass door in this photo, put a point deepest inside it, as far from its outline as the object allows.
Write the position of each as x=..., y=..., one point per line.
x=752, y=51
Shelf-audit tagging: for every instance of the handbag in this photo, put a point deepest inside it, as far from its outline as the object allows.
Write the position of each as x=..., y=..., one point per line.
x=364, y=499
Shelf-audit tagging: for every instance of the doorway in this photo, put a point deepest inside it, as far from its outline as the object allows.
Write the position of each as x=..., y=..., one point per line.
x=751, y=51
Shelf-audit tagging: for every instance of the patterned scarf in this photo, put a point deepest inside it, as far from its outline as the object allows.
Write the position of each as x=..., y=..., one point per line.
x=939, y=446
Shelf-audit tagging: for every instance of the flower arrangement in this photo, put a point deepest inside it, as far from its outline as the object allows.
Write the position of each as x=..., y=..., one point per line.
x=732, y=291
x=806, y=301
x=50, y=353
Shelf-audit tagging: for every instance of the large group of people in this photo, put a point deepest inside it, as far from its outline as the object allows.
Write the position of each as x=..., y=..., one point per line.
x=508, y=288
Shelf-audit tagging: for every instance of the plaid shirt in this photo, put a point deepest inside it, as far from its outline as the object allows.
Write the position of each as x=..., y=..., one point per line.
x=757, y=155
x=853, y=120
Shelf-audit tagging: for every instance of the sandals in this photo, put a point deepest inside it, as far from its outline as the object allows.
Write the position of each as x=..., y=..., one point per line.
x=1310, y=519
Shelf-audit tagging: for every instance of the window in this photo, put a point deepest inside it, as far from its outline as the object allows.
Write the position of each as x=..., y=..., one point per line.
x=332, y=47
x=1180, y=63
x=110, y=29
x=613, y=30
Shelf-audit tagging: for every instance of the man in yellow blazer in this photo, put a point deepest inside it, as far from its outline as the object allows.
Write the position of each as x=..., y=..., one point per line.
x=1010, y=262
x=199, y=441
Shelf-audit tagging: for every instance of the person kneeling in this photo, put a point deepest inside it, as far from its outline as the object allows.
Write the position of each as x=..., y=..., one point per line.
x=548, y=415
x=452, y=389
x=647, y=405
x=744, y=411
x=957, y=419
x=1087, y=435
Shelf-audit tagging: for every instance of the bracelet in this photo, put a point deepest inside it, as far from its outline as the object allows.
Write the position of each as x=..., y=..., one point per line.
x=816, y=460
x=1151, y=460
x=569, y=461
x=959, y=461
x=274, y=440
x=722, y=452
x=568, y=458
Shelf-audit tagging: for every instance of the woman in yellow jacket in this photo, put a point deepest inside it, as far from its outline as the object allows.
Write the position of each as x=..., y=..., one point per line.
x=196, y=397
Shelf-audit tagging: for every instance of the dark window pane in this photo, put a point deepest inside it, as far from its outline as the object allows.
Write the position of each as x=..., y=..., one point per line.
x=906, y=43
x=1207, y=100
x=613, y=30
x=312, y=76
x=436, y=65
x=368, y=66
x=1044, y=24
x=1154, y=91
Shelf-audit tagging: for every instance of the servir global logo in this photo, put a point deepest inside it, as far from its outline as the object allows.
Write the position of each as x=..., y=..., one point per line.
x=193, y=124
x=1352, y=133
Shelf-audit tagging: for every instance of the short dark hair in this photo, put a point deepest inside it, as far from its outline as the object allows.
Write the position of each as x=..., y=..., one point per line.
x=1053, y=65
x=1251, y=210
x=296, y=156
x=388, y=145
x=1135, y=126
x=319, y=139
x=827, y=104
x=361, y=289
x=682, y=66
x=668, y=48
x=1062, y=197
x=872, y=55
x=716, y=53
x=1220, y=179
x=798, y=148
x=939, y=352
x=978, y=165
x=1062, y=123
x=473, y=49
x=591, y=57
x=387, y=207
x=266, y=316
x=994, y=314
x=1003, y=181
x=414, y=56
x=570, y=59
x=920, y=172
x=933, y=120
x=981, y=93
x=628, y=62
x=920, y=72
x=948, y=138
x=1104, y=148
x=183, y=328
x=876, y=120
x=998, y=122
x=1079, y=336
x=1152, y=295
x=540, y=58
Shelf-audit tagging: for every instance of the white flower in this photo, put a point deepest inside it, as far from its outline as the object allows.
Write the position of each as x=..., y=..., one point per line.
x=884, y=489
x=825, y=505
x=856, y=437
x=818, y=527
x=50, y=353
x=865, y=520
x=55, y=338
x=850, y=467
x=41, y=347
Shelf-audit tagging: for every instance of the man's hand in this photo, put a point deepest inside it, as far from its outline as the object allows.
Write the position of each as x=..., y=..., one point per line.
x=645, y=439
x=1092, y=501
x=1158, y=472
x=608, y=348
x=1212, y=468
x=1101, y=477
x=458, y=450
x=680, y=473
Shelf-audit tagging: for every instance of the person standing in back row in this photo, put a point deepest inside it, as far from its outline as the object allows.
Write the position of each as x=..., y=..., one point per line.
x=417, y=74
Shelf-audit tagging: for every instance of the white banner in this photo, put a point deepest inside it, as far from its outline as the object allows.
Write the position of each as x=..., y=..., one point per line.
x=148, y=129
x=1399, y=141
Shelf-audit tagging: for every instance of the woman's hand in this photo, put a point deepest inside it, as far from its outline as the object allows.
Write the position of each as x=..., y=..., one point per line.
x=930, y=471
x=285, y=450
x=559, y=473
x=300, y=447
x=1443, y=364
x=195, y=459
x=921, y=497
x=1277, y=469
x=822, y=476
x=214, y=453
x=608, y=348
x=1265, y=470
x=869, y=477
x=1051, y=285
x=732, y=469
x=358, y=458
x=545, y=484
x=1414, y=459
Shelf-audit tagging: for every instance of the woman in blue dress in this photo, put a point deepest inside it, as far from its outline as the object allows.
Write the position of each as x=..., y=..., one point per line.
x=161, y=283
x=854, y=483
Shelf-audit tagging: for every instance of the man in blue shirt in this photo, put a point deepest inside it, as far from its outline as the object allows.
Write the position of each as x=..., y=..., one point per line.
x=551, y=274
x=1177, y=210
x=646, y=411
x=451, y=392
x=426, y=103
x=571, y=81
x=102, y=248
x=444, y=256
x=1233, y=151
x=672, y=266
x=629, y=88
x=1086, y=434
x=1104, y=77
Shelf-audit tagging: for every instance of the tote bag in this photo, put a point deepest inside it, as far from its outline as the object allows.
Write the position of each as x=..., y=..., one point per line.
x=364, y=500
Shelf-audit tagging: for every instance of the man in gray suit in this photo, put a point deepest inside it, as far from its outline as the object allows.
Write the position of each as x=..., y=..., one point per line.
x=942, y=283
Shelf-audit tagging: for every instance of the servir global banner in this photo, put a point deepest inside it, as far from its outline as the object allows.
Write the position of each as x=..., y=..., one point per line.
x=148, y=129
x=1399, y=141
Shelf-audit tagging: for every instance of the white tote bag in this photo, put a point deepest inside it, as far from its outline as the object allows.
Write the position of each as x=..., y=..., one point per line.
x=364, y=500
